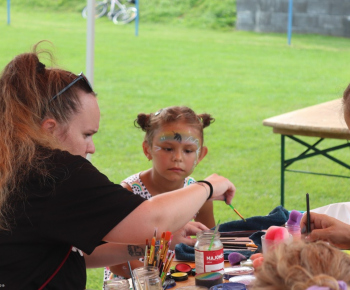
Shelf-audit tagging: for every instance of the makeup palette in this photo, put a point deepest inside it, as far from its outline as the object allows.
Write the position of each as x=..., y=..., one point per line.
x=192, y=288
x=229, y=286
x=237, y=271
x=179, y=276
x=182, y=267
x=244, y=279
x=208, y=279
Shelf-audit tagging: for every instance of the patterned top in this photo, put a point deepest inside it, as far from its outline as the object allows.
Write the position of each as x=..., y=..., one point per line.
x=137, y=186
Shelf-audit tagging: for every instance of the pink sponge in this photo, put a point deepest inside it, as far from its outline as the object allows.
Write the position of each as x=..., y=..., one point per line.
x=234, y=258
x=277, y=233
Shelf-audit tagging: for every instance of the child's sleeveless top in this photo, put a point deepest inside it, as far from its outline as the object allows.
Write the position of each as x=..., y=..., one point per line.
x=137, y=186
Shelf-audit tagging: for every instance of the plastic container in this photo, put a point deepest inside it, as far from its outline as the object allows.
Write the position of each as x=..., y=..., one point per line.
x=209, y=252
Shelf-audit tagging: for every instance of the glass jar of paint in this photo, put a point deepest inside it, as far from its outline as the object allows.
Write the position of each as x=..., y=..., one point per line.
x=209, y=252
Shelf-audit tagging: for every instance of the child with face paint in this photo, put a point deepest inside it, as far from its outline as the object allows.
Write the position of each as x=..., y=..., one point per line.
x=174, y=144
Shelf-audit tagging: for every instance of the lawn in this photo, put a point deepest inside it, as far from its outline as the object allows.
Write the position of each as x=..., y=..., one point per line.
x=241, y=78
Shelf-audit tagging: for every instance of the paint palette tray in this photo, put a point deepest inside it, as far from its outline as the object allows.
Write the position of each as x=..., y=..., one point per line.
x=228, y=286
x=237, y=271
x=244, y=279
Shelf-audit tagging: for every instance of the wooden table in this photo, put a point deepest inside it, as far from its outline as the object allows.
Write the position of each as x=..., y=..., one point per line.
x=323, y=121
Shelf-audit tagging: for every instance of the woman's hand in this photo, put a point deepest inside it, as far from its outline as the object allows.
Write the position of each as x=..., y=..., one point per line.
x=183, y=234
x=223, y=189
x=326, y=228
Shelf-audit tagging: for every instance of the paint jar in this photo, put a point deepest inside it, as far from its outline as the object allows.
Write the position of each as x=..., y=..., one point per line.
x=209, y=252
x=295, y=231
x=116, y=284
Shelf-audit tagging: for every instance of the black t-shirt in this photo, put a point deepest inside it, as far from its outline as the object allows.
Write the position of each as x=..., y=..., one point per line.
x=77, y=207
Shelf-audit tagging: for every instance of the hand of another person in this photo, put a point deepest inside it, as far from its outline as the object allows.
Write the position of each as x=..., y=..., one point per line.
x=223, y=189
x=183, y=234
x=257, y=259
x=326, y=228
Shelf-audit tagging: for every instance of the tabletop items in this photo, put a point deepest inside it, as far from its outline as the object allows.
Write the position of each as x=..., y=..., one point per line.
x=209, y=252
x=293, y=224
x=158, y=254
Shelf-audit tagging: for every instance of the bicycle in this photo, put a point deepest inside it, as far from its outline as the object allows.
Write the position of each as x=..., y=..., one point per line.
x=121, y=15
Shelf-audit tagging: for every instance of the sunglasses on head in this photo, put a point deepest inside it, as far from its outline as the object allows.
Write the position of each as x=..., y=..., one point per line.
x=80, y=76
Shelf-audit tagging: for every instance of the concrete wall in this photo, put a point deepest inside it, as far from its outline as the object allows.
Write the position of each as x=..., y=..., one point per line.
x=327, y=17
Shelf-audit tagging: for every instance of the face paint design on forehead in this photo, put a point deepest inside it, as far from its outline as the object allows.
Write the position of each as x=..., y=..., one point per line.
x=177, y=136
x=185, y=137
x=190, y=139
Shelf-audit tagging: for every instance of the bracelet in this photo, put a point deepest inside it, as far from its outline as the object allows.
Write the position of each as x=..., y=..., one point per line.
x=210, y=186
x=206, y=189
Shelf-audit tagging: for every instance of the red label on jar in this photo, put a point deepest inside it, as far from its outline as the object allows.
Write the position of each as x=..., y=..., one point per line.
x=209, y=261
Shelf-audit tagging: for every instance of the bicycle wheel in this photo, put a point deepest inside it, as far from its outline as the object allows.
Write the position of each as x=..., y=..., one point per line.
x=125, y=16
x=100, y=9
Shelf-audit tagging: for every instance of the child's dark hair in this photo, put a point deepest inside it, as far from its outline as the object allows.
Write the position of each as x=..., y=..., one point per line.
x=149, y=123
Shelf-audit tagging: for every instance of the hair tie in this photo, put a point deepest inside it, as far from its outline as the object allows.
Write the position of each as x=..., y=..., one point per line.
x=342, y=286
x=157, y=113
x=40, y=67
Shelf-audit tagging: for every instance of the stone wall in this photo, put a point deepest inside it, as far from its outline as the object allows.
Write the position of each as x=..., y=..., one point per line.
x=327, y=17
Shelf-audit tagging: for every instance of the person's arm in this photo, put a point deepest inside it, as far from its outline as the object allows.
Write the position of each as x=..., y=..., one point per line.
x=123, y=269
x=112, y=254
x=125, y=185
x=169, y=211
x=206, y=215
x=326, y=228
x=180, y=236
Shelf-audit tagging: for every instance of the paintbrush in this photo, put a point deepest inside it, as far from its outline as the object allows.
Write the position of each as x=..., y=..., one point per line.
x=236, y=211
x=166, y=266
x=145, y=262
x=240, y=246
x=132, y=276
x=167, y=238
x=236, y=234
x=153, y=245
x=238, y=243
x=239, y=239
x=213, y=237
x=158, y=255
x=308, y=226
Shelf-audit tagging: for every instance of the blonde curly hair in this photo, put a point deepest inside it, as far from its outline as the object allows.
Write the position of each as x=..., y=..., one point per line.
x=300, y=265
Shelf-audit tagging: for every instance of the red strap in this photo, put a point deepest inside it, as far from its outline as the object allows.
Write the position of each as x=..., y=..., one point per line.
x=58, y=268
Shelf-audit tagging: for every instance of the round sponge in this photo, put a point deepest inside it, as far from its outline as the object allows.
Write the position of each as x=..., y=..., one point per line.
x=234, y=258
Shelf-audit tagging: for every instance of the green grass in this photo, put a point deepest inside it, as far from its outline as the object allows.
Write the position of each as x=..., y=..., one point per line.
x=241, y=78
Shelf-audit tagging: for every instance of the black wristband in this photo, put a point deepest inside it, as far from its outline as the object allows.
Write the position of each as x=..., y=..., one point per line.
x=210, y=186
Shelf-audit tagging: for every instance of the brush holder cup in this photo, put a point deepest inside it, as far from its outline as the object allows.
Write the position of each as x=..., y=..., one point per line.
x=147, y=278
